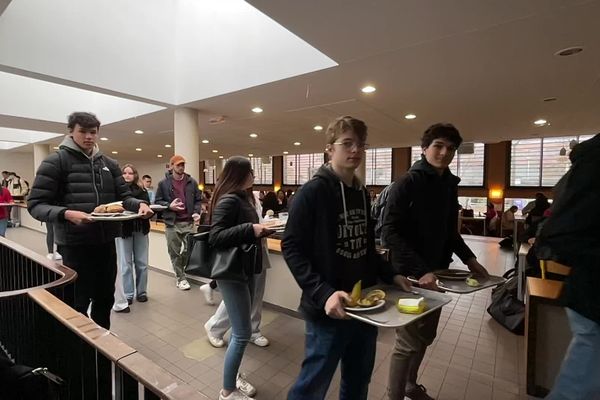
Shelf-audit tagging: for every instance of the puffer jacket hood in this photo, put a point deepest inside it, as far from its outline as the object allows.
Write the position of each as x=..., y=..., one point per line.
x=424, y=166
x=69, y=144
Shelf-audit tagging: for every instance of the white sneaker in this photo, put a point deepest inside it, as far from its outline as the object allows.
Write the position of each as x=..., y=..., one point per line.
x=57, y=256
x=214, y=341
x=183, y=285
x=260, y=341
x=244, y=386
x=208, y=294
x=235, y=395
x=50, y=256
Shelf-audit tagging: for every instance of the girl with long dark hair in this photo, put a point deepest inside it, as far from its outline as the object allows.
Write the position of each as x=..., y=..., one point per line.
x=234, y=222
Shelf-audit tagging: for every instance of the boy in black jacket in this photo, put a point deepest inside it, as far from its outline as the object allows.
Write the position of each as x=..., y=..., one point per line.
x=420, y=229
x=329, y=245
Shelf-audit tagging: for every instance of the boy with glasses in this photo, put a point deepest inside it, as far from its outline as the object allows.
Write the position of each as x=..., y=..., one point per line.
x=329, y=245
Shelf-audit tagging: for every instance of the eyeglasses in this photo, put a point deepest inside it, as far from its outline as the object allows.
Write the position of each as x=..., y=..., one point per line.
x=350, y=145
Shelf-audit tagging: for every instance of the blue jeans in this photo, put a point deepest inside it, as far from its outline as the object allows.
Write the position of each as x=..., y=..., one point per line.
x=327, y=342
x=3, y=225
x=133, y=251
x=238, y=302
x=579, y=376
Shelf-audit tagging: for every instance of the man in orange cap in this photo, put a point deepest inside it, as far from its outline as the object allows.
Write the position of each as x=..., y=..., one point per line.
x=179, y=192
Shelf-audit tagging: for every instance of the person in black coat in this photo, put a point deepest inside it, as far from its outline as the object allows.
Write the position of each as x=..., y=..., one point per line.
x=571, y=236
x=420, y=229
x=234, y=222
x=68, y=186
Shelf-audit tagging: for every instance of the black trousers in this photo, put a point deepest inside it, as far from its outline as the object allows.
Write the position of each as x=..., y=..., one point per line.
x=96, y=267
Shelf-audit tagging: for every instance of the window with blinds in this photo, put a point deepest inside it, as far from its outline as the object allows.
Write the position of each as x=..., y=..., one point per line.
x=541, y=162
x=263, y=170
x=209, y=172
x=299, y=168
x=469, y=167
x=379, y=166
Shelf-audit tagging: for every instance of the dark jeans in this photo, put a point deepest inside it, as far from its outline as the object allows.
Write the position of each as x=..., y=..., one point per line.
x=327, y=342
x=96, y=267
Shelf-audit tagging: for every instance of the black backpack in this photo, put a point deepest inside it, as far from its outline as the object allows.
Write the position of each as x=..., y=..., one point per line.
x=505, y=307
x=19, y=382
x=378, y=208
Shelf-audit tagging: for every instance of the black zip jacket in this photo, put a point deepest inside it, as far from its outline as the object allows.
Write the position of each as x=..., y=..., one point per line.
x=71, y=180
x=165, y=195
x=420, y=225
x=231, y=225
x=141, y=224
x=571, y=234
x=309, y=243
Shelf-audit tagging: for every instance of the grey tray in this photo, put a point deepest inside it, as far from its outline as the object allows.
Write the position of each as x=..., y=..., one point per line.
x=388, y=316
x=461, y=287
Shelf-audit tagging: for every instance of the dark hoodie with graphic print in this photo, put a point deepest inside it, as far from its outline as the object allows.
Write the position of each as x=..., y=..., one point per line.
x=329, y=241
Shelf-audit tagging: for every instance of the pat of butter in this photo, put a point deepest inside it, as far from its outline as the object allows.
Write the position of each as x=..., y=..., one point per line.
x=411, y=306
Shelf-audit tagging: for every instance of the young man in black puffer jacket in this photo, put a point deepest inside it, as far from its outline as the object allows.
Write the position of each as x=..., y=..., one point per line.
x=68, y=186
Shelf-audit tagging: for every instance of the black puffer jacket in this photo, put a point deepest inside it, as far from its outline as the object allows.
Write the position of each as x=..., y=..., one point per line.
x=140, y=224
x=571, y=234
x=420, y=221
x=70, y=180
x=231, y=224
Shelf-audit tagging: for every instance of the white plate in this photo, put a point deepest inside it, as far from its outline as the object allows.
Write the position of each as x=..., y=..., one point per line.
x=94, y=214
x=125, y=216
x=157, y=207
x=379, y=304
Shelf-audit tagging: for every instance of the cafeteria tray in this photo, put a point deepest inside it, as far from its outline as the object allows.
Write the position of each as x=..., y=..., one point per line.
x=115, y=217
x=389, y=317
x=461, y=287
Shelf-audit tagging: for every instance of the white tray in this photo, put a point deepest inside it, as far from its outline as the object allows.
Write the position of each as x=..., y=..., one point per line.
x=389, y=317
x=116, y=217
x=461, y=287
x=157, y=207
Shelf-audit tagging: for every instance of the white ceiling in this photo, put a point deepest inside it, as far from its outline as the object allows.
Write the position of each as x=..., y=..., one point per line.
x=485, y=66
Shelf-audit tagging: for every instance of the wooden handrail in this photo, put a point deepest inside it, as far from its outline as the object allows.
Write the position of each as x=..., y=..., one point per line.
x=67, y=275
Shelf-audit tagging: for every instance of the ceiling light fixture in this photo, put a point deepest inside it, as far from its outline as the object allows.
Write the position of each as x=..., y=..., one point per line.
x=215, y=151
x=138, y=149
x=318, y=128
x=115, y=152
x=368, y=89
x=139, y=132
x=257, y=110
x=250, y=155
x=104, y=139
x=159, y=155
x=253, y=135
x=205, y=141
x=410, y=116
x=221, y=157
x=286, y=152
x=55, y=147
x=297, y=143
x=168, y=146
x=569, y=51
x=540, y=122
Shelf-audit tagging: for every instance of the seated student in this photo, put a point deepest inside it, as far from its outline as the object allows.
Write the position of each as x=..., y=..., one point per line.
x=508, y=220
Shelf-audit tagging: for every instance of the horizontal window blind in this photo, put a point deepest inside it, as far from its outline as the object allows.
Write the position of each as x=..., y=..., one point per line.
x=209, y=172
x=379, y=166
x=299, y=168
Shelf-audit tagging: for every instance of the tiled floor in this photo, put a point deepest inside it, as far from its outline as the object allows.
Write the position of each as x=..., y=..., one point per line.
x=472, y=357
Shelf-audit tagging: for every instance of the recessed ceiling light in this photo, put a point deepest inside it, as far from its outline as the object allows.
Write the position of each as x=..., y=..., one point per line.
x=569, y=51
x=250, y=155
x=115, y=152
x=139, y=132
x=205, y=141
x=257, y=110
x=410, y=116
x=221, y=157
x=318, y=128
x=540, y=122
x=55, y=147
x=159, y=155
x=138, y=149
x=104, y=139
x=215, y=151
x=286, y=152
x=297, y=143
x=168, y=146
x=253, y=135
x=368, y=89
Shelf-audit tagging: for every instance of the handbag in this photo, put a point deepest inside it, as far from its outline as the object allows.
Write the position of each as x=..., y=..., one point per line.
x=232, y=264
x=505, y=307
